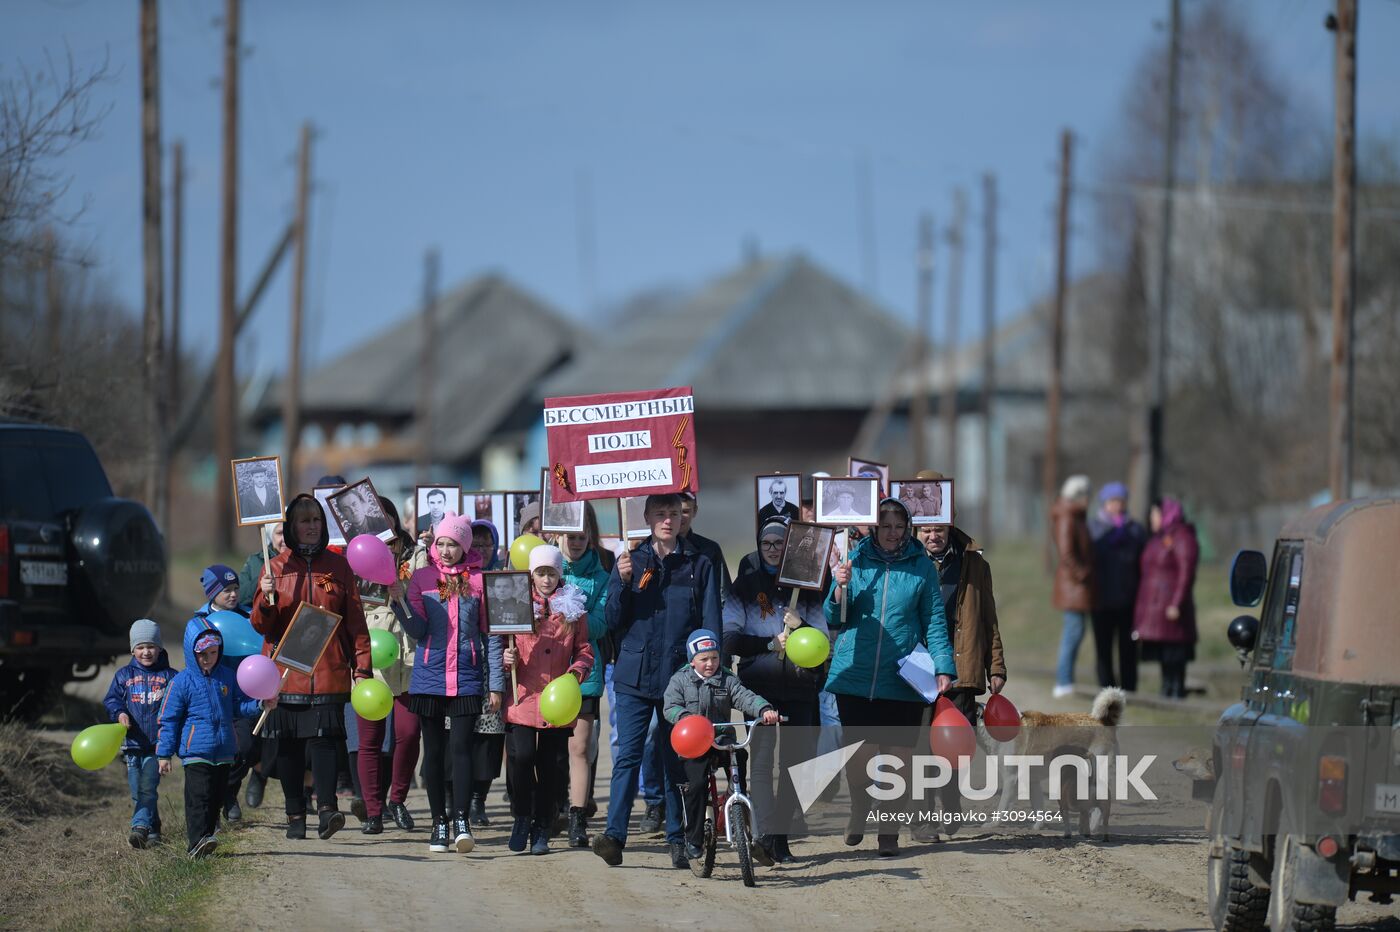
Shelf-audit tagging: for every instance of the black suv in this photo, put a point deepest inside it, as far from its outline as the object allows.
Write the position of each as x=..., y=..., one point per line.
x=77, y=566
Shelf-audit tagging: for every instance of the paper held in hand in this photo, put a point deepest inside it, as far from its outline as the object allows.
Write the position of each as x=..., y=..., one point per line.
x=918, y=671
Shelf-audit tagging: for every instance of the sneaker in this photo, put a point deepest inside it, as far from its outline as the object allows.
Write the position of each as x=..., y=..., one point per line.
x=357, y=809
x=652, y=820
x=154, y=840
x=437, y=841
x=204, y=847
x=539, y=838
x=296, y=827
x=332, y=821
x=253, y=795
x=232, y=812
x=374, y=825
x=678, y=858
x=401, y=816
x=462, y=834
x=608, y=848
x=519, y=834
x=139, y=837
x=476, y=814
x=1063, y=690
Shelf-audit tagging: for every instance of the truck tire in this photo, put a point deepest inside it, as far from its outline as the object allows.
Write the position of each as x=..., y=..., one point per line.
x=1237, y=903
x=121, y=561
x=1285, y=915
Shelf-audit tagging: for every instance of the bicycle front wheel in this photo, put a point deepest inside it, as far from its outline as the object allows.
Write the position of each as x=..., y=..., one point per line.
x=742, y=844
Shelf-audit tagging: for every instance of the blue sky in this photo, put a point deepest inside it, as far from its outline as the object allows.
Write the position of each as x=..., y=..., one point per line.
x=467, y=125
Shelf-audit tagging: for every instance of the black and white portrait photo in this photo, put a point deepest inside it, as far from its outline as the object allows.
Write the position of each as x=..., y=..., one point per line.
x=357, y=511
x=805, y=556
x=311, y=629
x=868, y=469
x=634, y=519
x=776, y=496
x=847, y=501
x=257, y=483
x=558, y=517
x=930, y=501
x=522, y=514
x=509, y=609
x=434, y=501
x=323, y=494
x=487, y=506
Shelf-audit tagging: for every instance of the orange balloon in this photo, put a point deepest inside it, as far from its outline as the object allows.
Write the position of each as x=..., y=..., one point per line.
x=950, y=734
x=1003, y=720
x=693, y=736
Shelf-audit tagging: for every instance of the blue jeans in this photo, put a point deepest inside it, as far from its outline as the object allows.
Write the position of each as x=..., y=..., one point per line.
x=830, y=737
x=143, y=776
x=1070, y=640
x=634, y=716
x=650, y=784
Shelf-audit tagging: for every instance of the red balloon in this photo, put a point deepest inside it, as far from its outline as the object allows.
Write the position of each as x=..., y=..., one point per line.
x=950, y=735
x=693, y=736
x=1003, y=720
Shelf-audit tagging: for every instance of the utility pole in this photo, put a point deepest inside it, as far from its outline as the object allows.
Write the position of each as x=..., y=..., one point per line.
x=1057, y=335
x=1340, y=433
x=989, y=357
x=952, y=312
x=177, y=249
x=225, y=402
x=426, y=368
x=1158, y=340
x=918, y=404
x=152, y=249
x=291, y=397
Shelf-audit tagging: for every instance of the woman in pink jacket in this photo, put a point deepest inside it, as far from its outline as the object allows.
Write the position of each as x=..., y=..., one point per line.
x=559, y=647
x=1164, y=619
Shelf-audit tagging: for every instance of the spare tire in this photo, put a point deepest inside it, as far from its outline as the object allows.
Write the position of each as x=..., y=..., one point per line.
x=121, y=557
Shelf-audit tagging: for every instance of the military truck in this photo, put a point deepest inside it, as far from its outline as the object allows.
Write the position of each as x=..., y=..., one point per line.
x=1305, y=810
x=77, y=565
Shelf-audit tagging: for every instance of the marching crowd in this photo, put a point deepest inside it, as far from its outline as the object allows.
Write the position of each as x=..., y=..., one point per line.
x=653, y=627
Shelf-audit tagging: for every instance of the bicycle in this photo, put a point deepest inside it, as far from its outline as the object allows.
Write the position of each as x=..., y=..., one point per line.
x=730, y=810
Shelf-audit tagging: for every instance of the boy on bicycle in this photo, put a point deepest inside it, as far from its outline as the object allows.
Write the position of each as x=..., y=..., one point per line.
x=705, y=688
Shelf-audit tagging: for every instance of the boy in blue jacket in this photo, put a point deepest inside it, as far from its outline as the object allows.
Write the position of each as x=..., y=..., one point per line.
x=196, y=722
x=134, y=700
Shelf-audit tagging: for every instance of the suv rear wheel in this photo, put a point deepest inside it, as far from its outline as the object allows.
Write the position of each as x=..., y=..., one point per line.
x=1237, y=902
x=1286, y=915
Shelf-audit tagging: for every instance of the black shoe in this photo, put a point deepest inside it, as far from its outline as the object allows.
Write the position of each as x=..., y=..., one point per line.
x=578, y=828
x=253, y=795
x=652, y=820
x=781, y=852
x=296, y=827
x=374, y=825
x=476, y=815
x=519, y=834
x=762, y=850
x=693, y=851
x=203, y=848
x=232, y=812
x=608, y=848
x=400, y=814
x=358, y=810
x=437, y=841
x=462, y=834
x=678, y=858
x=138, y=837
x=539, y=838
x=888, y=845
x=332, y=821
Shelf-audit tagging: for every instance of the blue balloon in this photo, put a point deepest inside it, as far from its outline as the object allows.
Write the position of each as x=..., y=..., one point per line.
x=240, y=640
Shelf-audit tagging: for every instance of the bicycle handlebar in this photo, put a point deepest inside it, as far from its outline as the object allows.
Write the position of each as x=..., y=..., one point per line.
x=739, y=745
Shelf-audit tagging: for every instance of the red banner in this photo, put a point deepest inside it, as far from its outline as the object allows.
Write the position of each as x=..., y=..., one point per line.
x=621, y=444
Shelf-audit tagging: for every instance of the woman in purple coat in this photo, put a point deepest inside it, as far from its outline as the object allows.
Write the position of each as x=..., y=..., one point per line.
x=1164, y=619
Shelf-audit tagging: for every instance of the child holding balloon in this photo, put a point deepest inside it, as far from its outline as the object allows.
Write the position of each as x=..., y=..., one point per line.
x=133, y=700
x=541, y=718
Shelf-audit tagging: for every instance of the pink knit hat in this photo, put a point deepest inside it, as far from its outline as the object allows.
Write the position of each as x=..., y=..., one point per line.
x=458, y=527
x=547, y=555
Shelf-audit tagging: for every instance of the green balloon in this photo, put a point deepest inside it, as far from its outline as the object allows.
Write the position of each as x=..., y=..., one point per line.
x=383, y=648
x=97, y=746
x=808, y=647
x=372, y=700
x=561, y=700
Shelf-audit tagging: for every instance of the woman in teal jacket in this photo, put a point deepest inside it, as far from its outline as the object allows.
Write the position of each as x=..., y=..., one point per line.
x=587, y=565
x=895, y=604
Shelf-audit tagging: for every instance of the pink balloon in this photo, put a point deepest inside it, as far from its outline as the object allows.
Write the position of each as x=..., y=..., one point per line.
x=259, y=677
x=371, y=559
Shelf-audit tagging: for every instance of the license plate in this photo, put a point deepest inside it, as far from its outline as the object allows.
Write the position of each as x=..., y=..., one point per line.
x=35, y=573
x=1388, y=797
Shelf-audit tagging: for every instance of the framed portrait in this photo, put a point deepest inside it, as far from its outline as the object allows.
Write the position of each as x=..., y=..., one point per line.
x=372, y=595
x=608, y=511
x=306, y=637
x=487, y=506
x=357, y=511
x=634, y=518
x=515, y=503
x=257, y=490
x=434, y=501
x=847, y=501
x=323, y=494
x=841, y=545
x=930, y=501
x=777, y=496
x=558, y=517
x=509, y=609
x=806, y=555
x=869, y=469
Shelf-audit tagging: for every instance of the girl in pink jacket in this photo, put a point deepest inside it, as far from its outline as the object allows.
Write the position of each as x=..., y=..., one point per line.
x=534, y=748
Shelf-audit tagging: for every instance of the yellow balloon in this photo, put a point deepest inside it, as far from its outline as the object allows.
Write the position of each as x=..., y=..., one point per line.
x=372, y=700
x=808, y=647
x=561, y=700
x=520, y=551
x=98, y=746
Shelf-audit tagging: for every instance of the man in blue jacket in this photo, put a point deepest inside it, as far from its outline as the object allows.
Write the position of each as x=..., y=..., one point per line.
x=657, y=595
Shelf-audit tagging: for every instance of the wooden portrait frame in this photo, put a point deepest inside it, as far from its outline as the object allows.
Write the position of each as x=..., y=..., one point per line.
x=267, y=517
x=486, y=584
x=497, y=517
x=511, y=511
x=575, y=525
x=861, y=519
x=794, y=483
x=420, y=495
x=945, y=514
x=305, y=615
x=826, y=538
x=387, y=534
